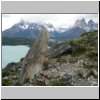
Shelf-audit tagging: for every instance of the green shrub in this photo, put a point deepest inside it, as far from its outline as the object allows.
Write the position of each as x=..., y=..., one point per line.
x=71, y=42
x=89, y=66
x=61, y=60
x=93, y=56
x=57, y=83
x=78, y=49
x=6, y=83
x=5, y=74
x=26, y=80
x=90, y=73
x=78, y=53
x=17, y=83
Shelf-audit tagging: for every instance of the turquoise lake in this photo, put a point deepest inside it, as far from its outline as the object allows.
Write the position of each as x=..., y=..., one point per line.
x=13, y=54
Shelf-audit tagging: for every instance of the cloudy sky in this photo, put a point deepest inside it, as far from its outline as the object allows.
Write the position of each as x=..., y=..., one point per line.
x=58, y=20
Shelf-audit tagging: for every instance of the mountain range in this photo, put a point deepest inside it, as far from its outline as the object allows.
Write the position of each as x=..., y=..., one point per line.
x=31, y=30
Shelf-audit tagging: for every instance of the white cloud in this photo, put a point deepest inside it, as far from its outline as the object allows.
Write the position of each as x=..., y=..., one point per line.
x=56, y=19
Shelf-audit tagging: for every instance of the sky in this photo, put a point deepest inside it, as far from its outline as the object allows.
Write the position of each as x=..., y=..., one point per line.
x=58, y=20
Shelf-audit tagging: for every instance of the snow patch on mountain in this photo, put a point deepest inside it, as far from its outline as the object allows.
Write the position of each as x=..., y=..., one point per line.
x=24, y=26
x=49, y=27
x=61, y=29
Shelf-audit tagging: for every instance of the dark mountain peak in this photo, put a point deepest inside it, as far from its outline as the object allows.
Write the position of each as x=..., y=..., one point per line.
x=49, y=25
x=80, y=23
x=92, y=25
x=21, y=21
x=83, y=19
x=91, y=22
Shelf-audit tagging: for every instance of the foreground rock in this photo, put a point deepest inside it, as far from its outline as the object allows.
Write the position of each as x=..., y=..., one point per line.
x=59, y=49
x=33, y=61
x=56, y=74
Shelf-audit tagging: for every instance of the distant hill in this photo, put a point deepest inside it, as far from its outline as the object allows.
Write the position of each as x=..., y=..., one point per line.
x=74, y=32
x=17, y=41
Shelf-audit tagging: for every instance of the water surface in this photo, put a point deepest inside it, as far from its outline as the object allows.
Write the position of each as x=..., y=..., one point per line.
x=13, y=54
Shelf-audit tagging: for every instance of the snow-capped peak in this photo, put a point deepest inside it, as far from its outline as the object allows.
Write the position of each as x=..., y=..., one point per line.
x=22, y=24
x=49, y=27
x=23, y=27
x=91, y=25
x=61, y=29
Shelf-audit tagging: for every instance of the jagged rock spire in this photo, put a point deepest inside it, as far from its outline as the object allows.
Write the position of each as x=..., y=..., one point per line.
x=35, y=57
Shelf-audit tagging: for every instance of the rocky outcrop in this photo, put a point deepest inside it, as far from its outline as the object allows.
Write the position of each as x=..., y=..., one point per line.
x=33, y=61
x=59, y=49
x=56, y=74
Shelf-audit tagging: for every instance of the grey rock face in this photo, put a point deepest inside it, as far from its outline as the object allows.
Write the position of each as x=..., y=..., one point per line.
x=58, y=50
x=35, y=57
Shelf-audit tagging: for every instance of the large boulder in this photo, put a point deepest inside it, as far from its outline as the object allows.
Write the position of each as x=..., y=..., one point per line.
x=59, y=49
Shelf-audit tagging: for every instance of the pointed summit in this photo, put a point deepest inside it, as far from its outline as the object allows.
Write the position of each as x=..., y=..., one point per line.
x=80, y=23
x=92, y=25
x=83, y=19
x=21, y=21
x=90, y=22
